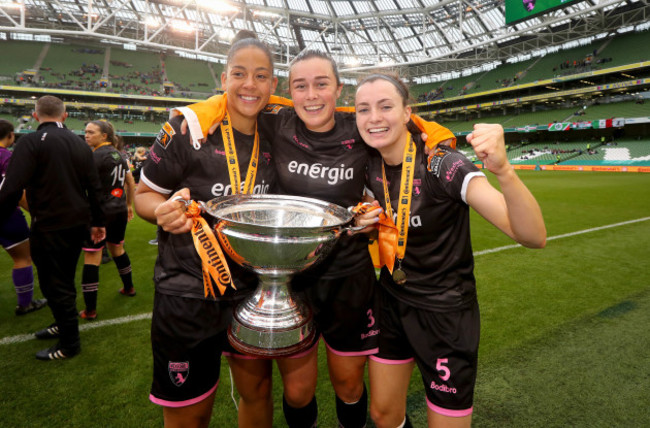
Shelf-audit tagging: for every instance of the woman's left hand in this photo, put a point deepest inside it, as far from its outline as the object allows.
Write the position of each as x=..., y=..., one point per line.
x=488, y=142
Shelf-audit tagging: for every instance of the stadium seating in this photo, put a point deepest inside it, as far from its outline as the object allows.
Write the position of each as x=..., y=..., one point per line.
x=192, y=78
x=624, y=49
x=621, y=152
x=18, y=57
x=621, y=109
x=503, y=76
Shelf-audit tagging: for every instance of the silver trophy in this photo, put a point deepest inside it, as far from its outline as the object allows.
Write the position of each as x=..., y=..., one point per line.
x=275, y=236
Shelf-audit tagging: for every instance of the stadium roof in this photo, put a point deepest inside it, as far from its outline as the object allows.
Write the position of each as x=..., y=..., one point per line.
x=420, y=37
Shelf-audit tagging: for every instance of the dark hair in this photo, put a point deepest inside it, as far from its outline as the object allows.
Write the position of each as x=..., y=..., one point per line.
x=394, y=80
x=119, y=143
x=402, y=90
x=245, y=39
x=6, y=128
x=314, y=53
x=105, y=127
x=49, y=106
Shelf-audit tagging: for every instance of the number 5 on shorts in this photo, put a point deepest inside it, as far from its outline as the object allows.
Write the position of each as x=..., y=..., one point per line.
x=440, y=366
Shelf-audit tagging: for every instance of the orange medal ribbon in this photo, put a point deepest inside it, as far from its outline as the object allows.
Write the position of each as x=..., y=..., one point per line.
x=214, y=263
x=392, y=238
x=387, y=240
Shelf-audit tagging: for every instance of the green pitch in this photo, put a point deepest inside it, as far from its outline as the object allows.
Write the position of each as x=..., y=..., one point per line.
x=564, y=329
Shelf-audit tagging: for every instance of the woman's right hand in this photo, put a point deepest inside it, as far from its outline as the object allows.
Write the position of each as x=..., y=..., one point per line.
x=368, y=216
x=201, y=140
x=170, y=215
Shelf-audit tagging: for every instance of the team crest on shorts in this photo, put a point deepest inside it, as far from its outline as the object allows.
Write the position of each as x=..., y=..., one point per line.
x=178, y=372
x=165, y=135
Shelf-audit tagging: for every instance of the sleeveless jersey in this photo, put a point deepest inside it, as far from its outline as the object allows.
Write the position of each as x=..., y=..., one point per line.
x=174, y=164
x=324, y=165
x=112, y=169
x=438, y=262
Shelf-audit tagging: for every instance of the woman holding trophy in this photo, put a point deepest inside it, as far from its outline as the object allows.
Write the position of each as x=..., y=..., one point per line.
x=190, y=318
x=318, y=153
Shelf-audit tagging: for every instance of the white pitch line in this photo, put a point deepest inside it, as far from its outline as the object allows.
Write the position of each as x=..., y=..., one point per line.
x=95, y=324
x=566, y=235
x=130, y=318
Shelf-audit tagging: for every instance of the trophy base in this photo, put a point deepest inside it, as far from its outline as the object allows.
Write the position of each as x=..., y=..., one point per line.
x=270, y=343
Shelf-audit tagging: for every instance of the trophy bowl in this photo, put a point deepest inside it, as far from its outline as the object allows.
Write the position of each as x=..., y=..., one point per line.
x=275, y=236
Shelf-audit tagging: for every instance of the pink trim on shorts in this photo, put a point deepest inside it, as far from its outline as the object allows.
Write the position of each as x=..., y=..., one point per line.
x=448, y=412
x=385, y=361
x=92, y=250
x=353, y=353
x=167, y=403
x=254, y=357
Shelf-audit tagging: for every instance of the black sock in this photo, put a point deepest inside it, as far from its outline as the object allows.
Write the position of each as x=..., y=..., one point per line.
x=124, y=269
x=353, y=415
x=304, y=417
x=89, y=286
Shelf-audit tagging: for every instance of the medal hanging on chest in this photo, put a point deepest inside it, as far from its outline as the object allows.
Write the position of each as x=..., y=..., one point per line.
x=233, y=163
x=216, y=268
x=403, y=207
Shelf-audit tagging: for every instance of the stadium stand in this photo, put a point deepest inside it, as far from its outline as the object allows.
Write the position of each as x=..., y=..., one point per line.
x=23, y=57
x=190, y=77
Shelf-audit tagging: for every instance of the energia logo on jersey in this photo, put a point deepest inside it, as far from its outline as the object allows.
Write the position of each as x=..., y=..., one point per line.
x=220, y=189
x=414, y=221
x=318, y=170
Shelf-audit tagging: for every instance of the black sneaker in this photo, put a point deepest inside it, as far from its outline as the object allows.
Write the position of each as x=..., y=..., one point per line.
x=34, y=305
x=51, y=332
x=56, y=353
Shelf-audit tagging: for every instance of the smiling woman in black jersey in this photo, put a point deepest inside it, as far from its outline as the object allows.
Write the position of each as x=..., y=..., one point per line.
x=428, y=310
x=318, y=153
x=189, y=327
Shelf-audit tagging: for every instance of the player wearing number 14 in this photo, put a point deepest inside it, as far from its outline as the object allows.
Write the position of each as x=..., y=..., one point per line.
x=118, y=188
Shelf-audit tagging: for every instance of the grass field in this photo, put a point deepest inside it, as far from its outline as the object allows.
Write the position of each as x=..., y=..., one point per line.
x=564, y=329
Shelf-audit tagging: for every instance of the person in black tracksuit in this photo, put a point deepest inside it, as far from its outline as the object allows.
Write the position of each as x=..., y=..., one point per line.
x=57, y=170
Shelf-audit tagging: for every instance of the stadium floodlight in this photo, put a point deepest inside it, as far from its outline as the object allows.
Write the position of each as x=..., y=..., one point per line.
x=226, y=35
x=182, y=26
x=12, y=4
x=219, y=7
x=265, y=14
x=353, y=62
x=151, y=22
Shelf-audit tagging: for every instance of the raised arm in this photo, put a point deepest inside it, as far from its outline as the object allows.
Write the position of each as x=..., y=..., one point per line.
x=514, y=210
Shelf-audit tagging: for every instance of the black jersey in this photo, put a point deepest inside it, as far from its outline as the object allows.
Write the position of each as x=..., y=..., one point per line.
x=112, y=169
x=174, y=164
x=324, y=165
x=56, y=168
x=438, y=263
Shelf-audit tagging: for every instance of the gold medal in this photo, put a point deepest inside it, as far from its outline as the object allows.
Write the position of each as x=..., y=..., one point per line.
x=399, y=276
x=403, y=206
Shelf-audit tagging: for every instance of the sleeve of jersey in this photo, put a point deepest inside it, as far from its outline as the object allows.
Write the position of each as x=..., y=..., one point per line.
x=163, y=170
x=19, y=170
x=452, y=171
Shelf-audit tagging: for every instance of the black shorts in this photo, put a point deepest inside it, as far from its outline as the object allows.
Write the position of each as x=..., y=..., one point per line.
x=14, y=230
x=188, y=337
x=115, y=232
x=443, y=344
x=344, y=310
